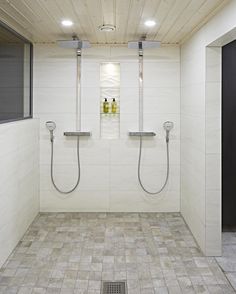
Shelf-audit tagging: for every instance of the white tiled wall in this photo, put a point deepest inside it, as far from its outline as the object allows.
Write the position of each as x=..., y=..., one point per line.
x=200, y=130
x=193, y=141
x=213, y=150
x=108, y=167
x=19, y=178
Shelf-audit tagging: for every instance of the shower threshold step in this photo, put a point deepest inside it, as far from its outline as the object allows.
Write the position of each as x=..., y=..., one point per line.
x=142, y=133
x=77, y=134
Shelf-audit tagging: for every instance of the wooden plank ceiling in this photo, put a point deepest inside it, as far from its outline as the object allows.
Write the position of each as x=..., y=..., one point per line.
x=40, y=20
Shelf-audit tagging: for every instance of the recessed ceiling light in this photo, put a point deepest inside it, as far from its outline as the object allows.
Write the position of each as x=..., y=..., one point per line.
x=150, y=23
x=107, y=28
x=67, y=23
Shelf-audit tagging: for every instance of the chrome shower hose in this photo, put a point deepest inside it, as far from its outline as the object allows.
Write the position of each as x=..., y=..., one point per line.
x=78, y=164
x=167, y=170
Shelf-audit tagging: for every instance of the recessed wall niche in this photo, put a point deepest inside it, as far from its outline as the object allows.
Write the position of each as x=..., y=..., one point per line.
x=110, y=100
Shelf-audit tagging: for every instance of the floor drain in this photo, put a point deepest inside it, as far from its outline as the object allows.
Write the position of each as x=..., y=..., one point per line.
x=114, y=288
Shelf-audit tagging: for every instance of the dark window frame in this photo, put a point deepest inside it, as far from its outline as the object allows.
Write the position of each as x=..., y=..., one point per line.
x=5, y=26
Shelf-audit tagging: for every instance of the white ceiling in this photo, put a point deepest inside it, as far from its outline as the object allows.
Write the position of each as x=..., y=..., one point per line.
x=40, y=20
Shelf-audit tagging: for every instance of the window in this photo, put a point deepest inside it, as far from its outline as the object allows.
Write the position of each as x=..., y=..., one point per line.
x=15, y=76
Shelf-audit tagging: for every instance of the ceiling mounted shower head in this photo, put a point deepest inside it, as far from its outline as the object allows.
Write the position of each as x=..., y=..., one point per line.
x=50, y=125
x=74, y=44
x=107, y=28
x=145, y=44
x=168, y=126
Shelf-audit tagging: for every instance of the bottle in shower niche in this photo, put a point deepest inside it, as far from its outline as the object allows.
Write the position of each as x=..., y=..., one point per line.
x=114, y=106
x=105, y=106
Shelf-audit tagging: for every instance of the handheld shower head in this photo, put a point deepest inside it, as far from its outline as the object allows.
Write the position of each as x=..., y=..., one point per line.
x=51, y=125
x=168, y=126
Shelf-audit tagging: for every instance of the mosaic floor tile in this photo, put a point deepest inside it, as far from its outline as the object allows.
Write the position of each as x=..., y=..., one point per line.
x=74, y=252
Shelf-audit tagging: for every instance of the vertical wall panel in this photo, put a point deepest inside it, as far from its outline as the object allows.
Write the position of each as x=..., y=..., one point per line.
x=19, y=181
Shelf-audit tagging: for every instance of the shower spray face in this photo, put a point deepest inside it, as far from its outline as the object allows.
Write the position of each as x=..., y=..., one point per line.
x=50, y=125
x=168, y=126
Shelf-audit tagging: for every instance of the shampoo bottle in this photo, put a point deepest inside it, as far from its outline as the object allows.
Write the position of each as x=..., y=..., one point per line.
x=113, y=106
x=105, y=106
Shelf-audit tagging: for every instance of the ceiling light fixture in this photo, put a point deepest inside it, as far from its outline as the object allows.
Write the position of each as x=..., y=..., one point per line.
x=67, y=23
x=107, y=28
x=150, y=23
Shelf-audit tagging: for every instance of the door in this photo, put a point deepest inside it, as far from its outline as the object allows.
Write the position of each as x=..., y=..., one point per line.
x=229, y=135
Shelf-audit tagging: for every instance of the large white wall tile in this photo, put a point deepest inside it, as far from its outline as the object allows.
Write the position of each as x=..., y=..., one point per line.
x=77, y=201
x=124, y=152
x=192, y=99
x=193, y=132
x=129, y=104
x=214, y=221
x=213, y=101
x=160, y=100
x=19, y=181
x=166, y=53
x=129, y=74
x=138, y=201
x=161, y=74
x=65, y=176
x=52, y=75
x=154, y=151
x=213, y=134
x=213, y=64
x=51, y=100
x=90, y=100
x=91, y=74
x=213, y=171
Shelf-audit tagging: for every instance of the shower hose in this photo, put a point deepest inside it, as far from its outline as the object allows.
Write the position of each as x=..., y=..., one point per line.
x=78, y=164
x=167, y=170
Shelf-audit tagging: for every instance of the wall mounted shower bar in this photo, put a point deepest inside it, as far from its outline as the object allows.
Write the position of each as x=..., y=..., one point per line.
x=143, y=134
x=140, y=45
x=78, y=91
x=168, y=126
x=140, y=53
x=77, y=134
x=78, y=45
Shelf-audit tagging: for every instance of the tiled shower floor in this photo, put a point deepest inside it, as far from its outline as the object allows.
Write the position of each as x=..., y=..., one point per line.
x=228, y=259
x=74, y=252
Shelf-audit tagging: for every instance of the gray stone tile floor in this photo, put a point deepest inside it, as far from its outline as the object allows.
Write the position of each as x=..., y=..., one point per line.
x=227, y=261
x=74, y=252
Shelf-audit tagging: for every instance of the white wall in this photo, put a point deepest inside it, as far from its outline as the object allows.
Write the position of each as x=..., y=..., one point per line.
x=108, y=167
x=213, y=151
x=200, y=131
x=19, y=181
